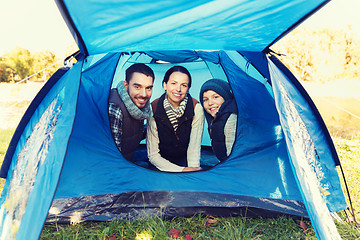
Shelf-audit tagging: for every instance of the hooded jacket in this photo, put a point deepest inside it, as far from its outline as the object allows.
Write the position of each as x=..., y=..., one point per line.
x=216, y=128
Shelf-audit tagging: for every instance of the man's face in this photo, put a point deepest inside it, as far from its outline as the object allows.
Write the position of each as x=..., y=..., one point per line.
x=139, y=88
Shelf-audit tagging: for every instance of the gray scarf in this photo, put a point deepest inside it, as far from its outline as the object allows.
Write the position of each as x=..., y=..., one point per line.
x=134, y=111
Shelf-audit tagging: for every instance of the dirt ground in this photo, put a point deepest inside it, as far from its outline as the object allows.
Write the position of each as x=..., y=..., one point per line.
x=14, y=100
x=339, y=104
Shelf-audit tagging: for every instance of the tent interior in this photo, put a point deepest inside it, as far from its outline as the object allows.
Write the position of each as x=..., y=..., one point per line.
x=200, y=70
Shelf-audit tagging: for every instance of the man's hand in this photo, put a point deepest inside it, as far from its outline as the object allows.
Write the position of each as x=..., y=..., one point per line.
x=191, y=169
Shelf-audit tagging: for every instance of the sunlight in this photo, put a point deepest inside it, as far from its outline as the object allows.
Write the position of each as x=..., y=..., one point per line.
x=54, y=210
x=75, y=218
x=144, y=235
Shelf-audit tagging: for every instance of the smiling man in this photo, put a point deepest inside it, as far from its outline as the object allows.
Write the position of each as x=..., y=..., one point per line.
x=128, y=108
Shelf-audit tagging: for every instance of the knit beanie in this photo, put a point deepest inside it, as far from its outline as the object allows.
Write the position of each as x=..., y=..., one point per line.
x=219, y=86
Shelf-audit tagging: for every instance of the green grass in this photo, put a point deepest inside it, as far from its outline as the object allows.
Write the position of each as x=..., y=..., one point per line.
x=196, y=227
x=349, y=154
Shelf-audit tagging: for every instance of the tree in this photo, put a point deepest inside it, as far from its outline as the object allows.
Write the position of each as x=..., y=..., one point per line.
x=321, y=54
x=43, y=60
x=6, y=72
x=21, y=61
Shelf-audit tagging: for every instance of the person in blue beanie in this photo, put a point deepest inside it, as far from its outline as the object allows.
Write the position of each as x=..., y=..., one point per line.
x=221, y=115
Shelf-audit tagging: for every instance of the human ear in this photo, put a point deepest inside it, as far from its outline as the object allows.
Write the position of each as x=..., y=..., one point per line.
x=126, y=85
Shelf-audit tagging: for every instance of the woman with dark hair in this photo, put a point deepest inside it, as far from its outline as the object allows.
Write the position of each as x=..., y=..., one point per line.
x=174, y=133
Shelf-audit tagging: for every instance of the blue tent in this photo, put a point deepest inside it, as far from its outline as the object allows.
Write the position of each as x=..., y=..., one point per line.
x=62, y=163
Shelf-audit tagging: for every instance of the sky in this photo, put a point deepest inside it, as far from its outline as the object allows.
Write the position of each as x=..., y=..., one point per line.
x=37, y=25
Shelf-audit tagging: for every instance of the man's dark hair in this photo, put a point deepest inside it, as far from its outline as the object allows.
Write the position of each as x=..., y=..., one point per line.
x=176, y=69
x=140, y=68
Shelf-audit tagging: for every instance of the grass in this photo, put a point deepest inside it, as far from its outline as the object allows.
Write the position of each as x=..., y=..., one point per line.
x=349, y=154
x=341, y=124
x=5, y=137
x=197, y=227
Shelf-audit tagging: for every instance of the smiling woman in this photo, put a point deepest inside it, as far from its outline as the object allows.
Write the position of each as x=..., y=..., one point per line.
x=174, y=133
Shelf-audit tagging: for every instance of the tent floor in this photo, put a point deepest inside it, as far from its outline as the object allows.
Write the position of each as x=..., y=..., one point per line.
x=168, y=204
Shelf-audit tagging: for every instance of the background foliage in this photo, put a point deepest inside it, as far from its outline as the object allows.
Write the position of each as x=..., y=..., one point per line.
x=19, y=63
x=321, y=55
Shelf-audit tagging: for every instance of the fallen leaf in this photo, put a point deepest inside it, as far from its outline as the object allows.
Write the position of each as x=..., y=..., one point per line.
x=188, y=237
x=303, y=225
x=174, y=233
x=210, y=222
x=112, y=238
x=144, y=235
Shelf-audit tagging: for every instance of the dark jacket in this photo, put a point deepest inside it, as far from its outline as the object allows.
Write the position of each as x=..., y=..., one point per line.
x=173, y=145
x=132, y=129
x=216, y=128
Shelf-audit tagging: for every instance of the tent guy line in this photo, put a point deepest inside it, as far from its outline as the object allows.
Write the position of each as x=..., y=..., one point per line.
x=34, y=74
x=343, y=109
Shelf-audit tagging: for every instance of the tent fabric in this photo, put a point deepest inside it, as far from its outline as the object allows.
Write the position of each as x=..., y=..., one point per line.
x=325, y=135
x=314, y=177
x=37, y=161
x=25, y=119
x=296, y=115
x=96, y=150
x=259, y=61
x=124, y=176
x=243, y=25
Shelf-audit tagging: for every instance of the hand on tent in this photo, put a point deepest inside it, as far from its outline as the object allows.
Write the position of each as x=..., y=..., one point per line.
x=191, y=169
